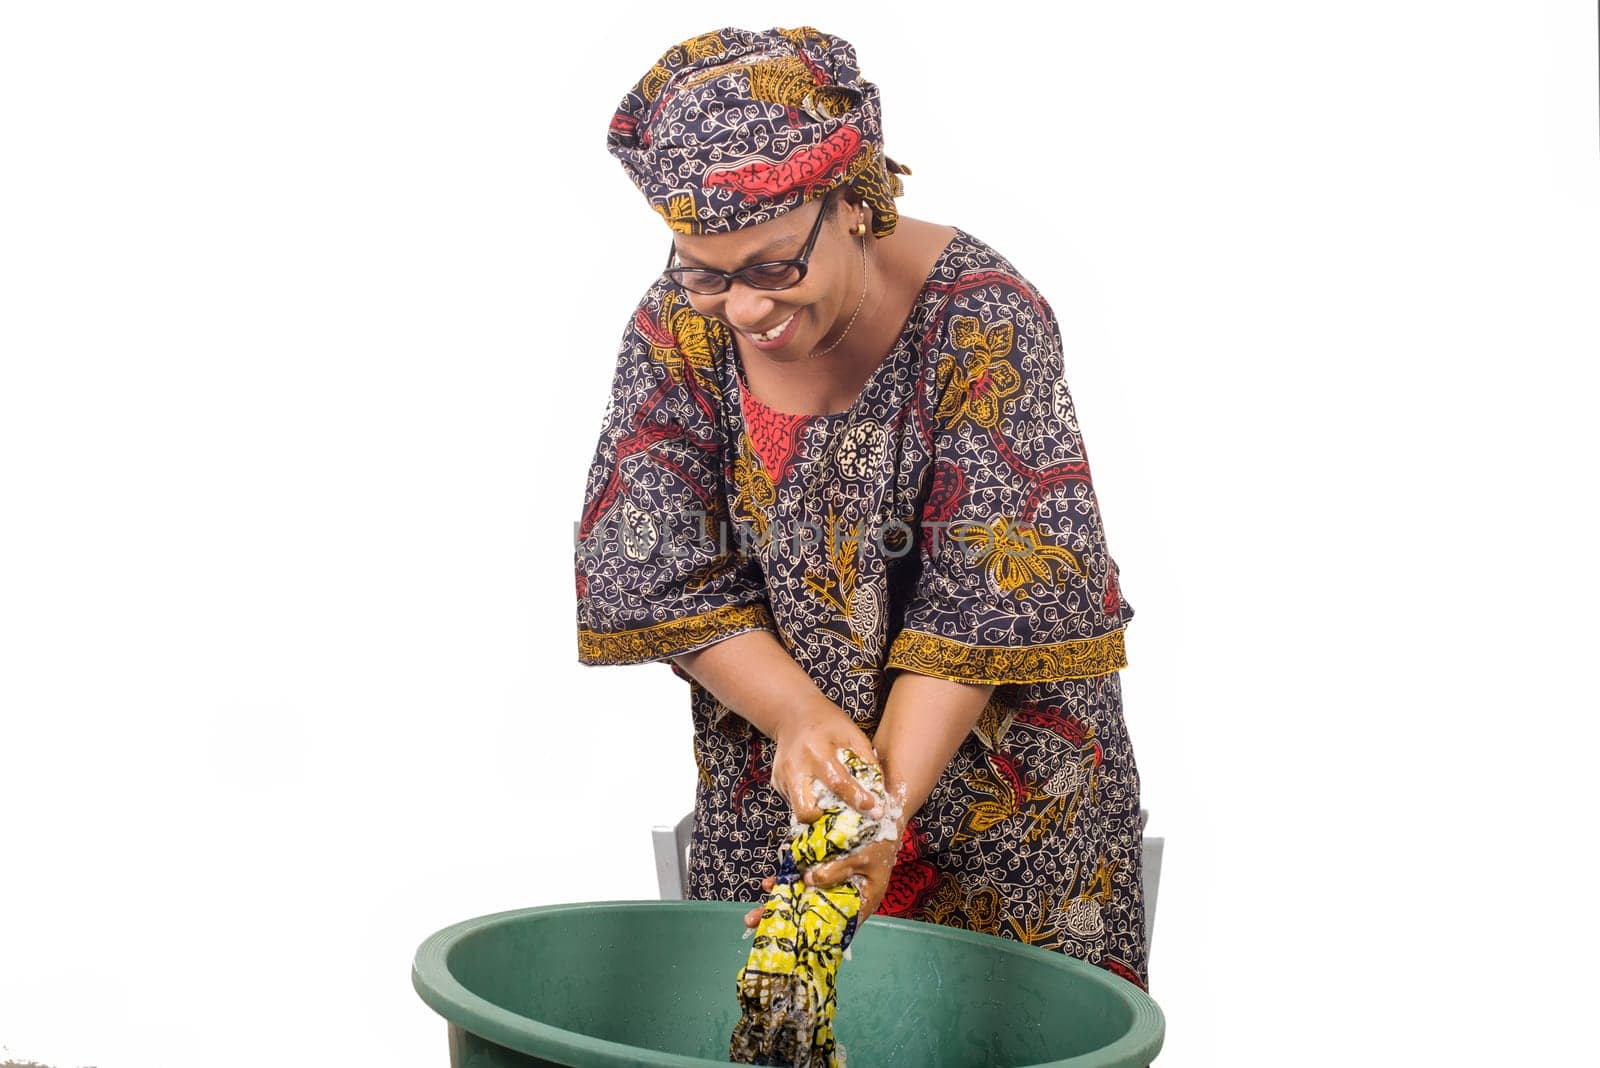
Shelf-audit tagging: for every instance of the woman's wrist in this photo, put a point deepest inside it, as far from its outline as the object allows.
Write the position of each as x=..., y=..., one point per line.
x=805, y=711
x=925, y=720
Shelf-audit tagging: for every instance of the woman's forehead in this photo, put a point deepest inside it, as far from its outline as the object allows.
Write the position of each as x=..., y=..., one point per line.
x=776, y=239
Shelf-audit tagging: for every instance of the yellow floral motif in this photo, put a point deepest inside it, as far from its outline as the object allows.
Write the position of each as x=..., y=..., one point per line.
x=1013, y=554
x=678, y=212
x=839, y=593
x=756, y=492
x=692, y=50
x=983, y=909
x=685, y=341
x=864, y=172
x=785, y=80
x=789, y=82
x=703, y=46
x=942, y=904
x=994, y=721
x=799, y=35
x=1036, y=931
x=1002, y=803
x=1066, y=791
x=978, y=387
x=654, y=81
x=1099, y=886
x=948, y=902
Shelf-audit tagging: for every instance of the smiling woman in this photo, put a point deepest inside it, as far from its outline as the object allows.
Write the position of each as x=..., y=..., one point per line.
x=812, y=362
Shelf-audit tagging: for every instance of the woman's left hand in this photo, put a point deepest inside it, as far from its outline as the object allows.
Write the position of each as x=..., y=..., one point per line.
x=875, y=862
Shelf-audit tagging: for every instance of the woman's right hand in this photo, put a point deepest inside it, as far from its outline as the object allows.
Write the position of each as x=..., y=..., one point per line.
x=808, y=751
x=752, y=919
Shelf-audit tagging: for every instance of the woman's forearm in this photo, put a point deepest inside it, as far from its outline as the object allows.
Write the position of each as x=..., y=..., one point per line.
x=754, y=675
x=924, y=722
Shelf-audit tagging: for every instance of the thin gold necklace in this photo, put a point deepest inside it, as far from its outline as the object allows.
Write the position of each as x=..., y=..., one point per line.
x=831, y=448
x=859, y=303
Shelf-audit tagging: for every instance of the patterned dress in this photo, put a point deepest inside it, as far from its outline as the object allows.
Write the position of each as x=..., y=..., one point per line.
x=947, y=525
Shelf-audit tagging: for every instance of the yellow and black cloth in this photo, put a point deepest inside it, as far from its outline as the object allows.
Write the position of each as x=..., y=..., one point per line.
x=786, y=988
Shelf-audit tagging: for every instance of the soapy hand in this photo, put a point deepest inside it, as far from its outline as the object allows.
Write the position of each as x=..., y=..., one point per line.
x=874, y=862
x=808, y=752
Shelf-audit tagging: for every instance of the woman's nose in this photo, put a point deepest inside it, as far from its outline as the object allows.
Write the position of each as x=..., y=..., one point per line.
x=747, y=308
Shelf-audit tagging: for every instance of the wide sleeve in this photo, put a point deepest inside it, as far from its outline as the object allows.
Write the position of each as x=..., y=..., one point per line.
x=656, y=572
x=1015, y=583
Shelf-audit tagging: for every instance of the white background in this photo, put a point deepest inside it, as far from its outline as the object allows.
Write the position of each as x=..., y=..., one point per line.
x=308, y=312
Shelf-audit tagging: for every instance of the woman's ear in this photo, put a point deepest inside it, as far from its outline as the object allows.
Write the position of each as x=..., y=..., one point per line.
x=852, y=208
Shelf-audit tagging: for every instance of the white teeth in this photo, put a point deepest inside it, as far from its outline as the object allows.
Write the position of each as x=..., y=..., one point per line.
x=775, y=331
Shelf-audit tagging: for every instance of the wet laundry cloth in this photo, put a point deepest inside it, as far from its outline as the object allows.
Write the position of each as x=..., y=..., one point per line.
x=787, y=987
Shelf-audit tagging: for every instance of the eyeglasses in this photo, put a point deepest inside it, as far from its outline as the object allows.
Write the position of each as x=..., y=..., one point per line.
x=777, y=274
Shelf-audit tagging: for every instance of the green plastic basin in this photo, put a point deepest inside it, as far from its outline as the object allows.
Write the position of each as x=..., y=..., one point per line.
x=652, y=983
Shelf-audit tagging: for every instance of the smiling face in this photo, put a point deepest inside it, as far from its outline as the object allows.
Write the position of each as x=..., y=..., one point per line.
x=820, y=304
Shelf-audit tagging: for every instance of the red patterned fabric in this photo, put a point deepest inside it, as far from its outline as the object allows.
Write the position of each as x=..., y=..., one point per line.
x=774, y=435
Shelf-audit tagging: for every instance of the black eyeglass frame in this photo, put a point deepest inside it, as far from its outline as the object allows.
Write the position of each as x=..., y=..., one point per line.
x=802, y=264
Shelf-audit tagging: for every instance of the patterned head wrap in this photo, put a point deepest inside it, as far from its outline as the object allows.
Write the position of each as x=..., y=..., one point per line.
x=734, y=128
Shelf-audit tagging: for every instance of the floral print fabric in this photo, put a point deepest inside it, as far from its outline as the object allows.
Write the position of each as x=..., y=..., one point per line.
x=946, y=524
x=733, y=128
x=787, y=988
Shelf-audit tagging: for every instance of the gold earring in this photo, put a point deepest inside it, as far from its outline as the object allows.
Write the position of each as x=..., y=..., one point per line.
x=860, y=228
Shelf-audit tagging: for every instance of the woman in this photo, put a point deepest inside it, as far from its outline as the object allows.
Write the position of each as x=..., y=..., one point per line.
x=841, y=489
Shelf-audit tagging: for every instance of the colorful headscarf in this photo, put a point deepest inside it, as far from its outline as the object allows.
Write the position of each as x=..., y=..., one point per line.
x=734, y=128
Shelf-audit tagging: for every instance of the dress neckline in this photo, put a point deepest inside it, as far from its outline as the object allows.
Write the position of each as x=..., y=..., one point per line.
x=907, y=329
